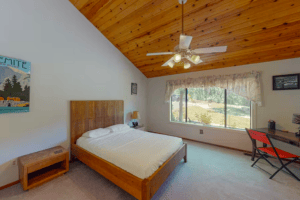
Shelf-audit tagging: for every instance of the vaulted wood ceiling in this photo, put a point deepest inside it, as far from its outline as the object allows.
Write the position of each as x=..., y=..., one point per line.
x=254, y=30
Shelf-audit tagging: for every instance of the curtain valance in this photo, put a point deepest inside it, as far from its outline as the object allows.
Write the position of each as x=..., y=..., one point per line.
x=247, y=85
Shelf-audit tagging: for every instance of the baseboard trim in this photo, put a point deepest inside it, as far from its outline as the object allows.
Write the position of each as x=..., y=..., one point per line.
x=231, y=148
x=9, y=185
x=244, y=151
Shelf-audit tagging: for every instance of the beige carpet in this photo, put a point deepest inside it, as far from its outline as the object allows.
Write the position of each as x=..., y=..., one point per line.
x=211, y=173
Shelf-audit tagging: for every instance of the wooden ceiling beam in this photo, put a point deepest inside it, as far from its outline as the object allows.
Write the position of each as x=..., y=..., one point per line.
x=237, y=16
x=136, y=12
x=166, y=16
x=109, y=11
x=259, y=39
x=268, y=56
x=196, y=42
x=79, y=3
x=120, y=12
x=98, y=7
x=294, y=46
x=254, y=30
x=235, y=29
x=170, y=23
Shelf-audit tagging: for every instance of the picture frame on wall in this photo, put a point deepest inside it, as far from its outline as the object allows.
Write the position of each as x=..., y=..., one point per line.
x=133, y=88
x=14, y=85
x=286, y=82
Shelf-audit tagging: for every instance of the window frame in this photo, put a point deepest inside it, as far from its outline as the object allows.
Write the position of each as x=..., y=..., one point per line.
x=252, y=114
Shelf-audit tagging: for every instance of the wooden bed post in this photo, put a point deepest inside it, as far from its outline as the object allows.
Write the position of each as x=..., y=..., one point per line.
x=145, y=190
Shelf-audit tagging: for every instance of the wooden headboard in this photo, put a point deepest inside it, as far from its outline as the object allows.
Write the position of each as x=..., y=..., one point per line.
x=90, y=115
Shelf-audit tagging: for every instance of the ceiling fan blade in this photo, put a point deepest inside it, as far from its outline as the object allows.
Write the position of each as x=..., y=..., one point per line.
x=185, y=41
x=160, y=53
x=196, y=63
x=166, y=63
x=210, y=50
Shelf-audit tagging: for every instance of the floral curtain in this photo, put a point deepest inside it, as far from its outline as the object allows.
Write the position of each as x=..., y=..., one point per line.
x=247, y=85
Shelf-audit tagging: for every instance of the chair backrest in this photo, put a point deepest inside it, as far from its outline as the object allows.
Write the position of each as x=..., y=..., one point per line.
x=255, y=135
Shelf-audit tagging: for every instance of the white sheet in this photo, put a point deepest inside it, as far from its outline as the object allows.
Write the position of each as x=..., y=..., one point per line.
x=137, y=152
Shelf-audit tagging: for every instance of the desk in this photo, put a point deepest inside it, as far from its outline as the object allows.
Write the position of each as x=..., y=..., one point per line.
x=286, y=137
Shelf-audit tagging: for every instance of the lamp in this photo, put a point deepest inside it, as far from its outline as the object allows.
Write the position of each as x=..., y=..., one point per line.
x=186, y=65
x=177, y=57
x=136, y=116
x=296, y=120
x=195, y=58
x=171, y=63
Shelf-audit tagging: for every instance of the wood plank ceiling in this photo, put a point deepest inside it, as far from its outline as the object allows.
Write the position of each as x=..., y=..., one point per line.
x=254, y=30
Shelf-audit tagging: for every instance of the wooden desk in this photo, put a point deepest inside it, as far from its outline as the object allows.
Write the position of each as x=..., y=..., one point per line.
x=286, y=137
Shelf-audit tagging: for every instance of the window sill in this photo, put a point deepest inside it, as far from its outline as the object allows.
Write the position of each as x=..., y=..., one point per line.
x=209, y=127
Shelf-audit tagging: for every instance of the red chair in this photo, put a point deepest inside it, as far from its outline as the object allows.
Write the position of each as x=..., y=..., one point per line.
x=272, y=151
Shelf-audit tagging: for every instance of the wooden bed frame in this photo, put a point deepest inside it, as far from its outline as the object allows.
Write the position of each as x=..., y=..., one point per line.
x=89, y=115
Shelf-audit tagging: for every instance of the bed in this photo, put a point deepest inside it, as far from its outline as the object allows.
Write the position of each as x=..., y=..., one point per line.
x=143, y=182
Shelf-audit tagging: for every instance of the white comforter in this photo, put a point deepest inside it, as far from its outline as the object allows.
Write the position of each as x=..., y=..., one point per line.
x=137, y=152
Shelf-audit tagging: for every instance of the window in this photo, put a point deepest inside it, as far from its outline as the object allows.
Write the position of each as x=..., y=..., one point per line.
x=178, y=106
x=212, y=107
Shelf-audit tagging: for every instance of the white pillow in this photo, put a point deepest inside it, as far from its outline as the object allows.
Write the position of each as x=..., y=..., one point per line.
x=96, y=133
x=118, y=127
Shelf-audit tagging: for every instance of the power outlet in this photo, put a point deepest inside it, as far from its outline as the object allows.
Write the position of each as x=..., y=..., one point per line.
x=201, y=131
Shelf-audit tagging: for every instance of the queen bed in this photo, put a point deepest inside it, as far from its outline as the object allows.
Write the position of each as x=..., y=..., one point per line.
x=137, y=161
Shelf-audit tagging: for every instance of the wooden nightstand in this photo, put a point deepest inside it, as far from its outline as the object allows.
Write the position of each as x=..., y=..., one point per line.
x=42, y=166
x=142, y=128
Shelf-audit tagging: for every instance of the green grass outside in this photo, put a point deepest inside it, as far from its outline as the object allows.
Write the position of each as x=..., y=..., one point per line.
x=216, y=117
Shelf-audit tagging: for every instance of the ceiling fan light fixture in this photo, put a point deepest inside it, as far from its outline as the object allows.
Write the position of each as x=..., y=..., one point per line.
x=171, y=63
x=195, y=58
x=177, y=57
x=184, y=52
x=186, y=65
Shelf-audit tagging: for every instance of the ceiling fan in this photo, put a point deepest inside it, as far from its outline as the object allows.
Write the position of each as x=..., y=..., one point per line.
x=183, y=51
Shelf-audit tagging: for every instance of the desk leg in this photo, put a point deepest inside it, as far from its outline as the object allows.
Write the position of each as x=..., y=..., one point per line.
x=253, y=149
x=265, y=145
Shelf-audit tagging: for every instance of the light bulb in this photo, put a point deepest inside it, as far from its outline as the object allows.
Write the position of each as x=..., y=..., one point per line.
x=186, y=65
x=195, y=58
x=171, y=63
x=177, y=57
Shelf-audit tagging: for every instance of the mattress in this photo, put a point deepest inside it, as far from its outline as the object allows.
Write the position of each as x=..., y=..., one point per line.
x=137, y=152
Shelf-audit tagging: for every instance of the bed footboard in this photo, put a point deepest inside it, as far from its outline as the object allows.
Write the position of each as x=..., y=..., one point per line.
x=154, y=182
x=118, y=176
x=142, y=189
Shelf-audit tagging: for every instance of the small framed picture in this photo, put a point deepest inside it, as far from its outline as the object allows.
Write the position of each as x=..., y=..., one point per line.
x=133, y=88
x=286, y=82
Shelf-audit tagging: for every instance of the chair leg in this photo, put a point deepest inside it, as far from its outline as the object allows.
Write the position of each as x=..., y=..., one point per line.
x=285, y=167
x=276, y=172
x=257, y=160
x=268, y=161
x=292, y=173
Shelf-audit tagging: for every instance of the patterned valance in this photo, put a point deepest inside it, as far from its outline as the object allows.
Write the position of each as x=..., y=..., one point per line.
x=247, y=85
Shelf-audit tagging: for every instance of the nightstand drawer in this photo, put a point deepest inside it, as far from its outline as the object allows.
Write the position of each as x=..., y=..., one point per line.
x=46, y=163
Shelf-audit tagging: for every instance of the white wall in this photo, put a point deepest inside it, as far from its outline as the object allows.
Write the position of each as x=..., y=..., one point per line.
x=278, y=105
x=71, y=60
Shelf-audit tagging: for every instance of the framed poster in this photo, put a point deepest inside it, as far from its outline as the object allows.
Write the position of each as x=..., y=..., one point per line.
x=14, y=85
x=133, y=88
x=286, y=82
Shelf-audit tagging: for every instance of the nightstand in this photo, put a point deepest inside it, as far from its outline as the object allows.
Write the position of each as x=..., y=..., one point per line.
x=141, y=128
x=42, y=166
